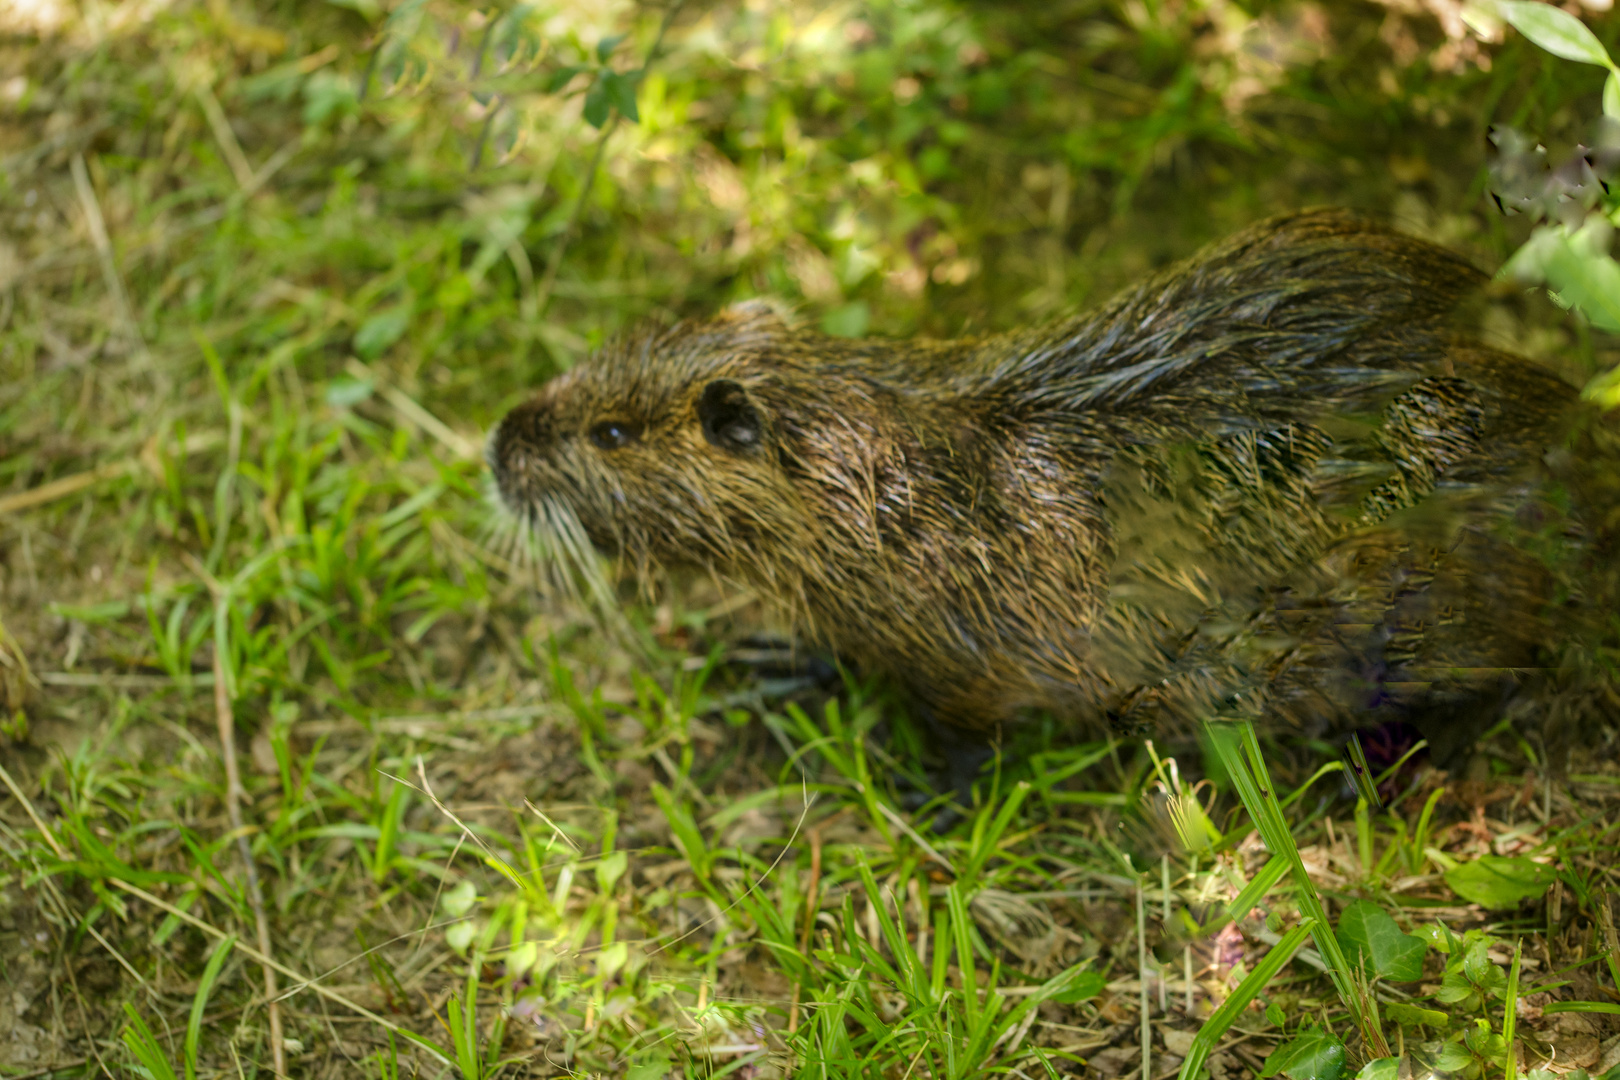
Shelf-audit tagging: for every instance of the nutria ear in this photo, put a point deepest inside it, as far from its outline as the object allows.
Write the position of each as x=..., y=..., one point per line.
x=759, y=309
x=730, y=420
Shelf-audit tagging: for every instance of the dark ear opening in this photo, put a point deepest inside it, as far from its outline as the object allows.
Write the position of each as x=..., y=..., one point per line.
x=730, y=421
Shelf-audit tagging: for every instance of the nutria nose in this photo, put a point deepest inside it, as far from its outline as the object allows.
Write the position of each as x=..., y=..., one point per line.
x=523, y=435
x=529, y=426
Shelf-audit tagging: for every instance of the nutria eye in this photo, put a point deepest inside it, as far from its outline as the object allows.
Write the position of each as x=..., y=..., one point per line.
x=613, y=434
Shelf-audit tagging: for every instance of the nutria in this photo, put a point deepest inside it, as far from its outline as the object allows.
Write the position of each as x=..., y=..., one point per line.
x=1273, y=479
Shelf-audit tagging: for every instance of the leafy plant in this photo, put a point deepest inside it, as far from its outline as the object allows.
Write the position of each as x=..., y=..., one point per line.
x=143, y=1045
x=1244, y=760
x=1497, y=881
x=1368, y=935
x=1471, y=979
x=1571, y=255
x=1312, y=1054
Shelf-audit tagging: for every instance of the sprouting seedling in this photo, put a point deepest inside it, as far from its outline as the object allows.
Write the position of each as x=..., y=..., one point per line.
x=1188, y=815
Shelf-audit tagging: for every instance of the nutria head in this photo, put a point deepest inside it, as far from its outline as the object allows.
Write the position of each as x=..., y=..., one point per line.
x=879, y=503
x=664, y=449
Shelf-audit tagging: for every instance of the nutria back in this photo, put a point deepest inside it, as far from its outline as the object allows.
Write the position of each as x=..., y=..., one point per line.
x=1273, y=479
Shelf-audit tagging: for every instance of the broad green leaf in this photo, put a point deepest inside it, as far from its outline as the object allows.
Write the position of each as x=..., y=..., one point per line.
x=612, y=958
x=1482, y=972
x=1496, y=881
x=343, y=392
x=1482, y=18
x=1576, y=267
x=1611, y=95
x=562, y=77
x=1437, y=936
x=459, y=900
x=610, y=870
x=1588, y=283
x=1366, y=930
x=1471, y=979
x=621, y=93
x=522, y=958
x=1484, y=1042
x=1313, y=1054
x=605, y=47
x=460, y=935
x=597, y=104
x=1453, y=1057
x=380, y=331
x=1455, y=989
x=1555, y=30
x=1380, y=1069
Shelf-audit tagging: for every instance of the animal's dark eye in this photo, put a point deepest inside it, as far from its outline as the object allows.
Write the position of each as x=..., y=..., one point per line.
x=613, y=434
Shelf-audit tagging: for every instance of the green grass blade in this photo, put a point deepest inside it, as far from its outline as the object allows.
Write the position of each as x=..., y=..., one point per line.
x=1235, y=742
x=388, y=830
x=1223, y=1018
x=985, y=844
x=1608, y=1008
x=1510, y=1006
x=145, y=1047
x=1251, y=894
x=1361, y=772
x=199, y=1002
x=1420, y=835
x=942, y=952
x=962, y=934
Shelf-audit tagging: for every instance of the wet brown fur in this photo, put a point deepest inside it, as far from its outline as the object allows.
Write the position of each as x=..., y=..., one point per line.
x=1271, y=478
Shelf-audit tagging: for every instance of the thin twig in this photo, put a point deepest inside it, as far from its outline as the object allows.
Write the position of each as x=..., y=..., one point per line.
x=225, y=136
x=1142, y=970
x=271, y=167
x=109, y=268
x=84, y=1014
x=233, y=805
x=61, y=489
x=543, y=293
x=912, y=834
x=812, y=899
x=50, y=838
